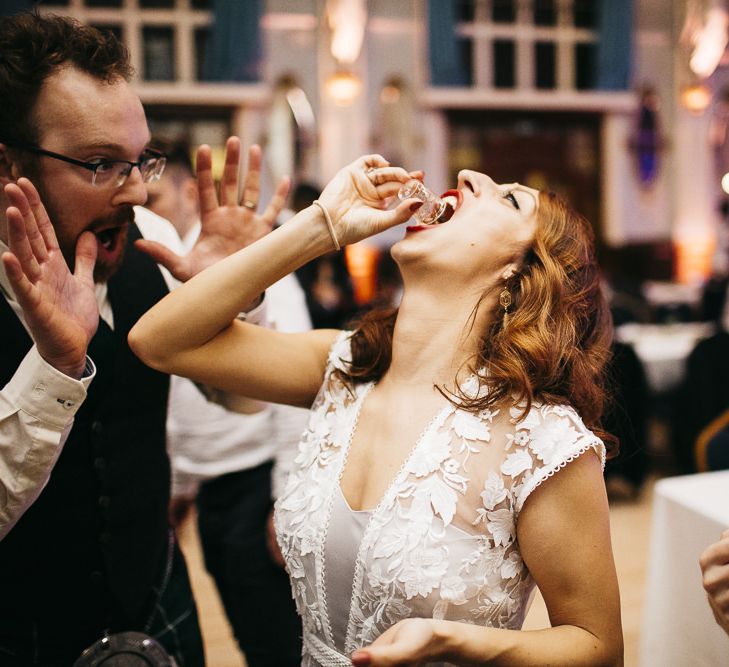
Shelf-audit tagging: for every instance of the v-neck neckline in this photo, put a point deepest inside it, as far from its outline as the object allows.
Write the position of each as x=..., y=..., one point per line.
x=439, y=415
x=371, y=515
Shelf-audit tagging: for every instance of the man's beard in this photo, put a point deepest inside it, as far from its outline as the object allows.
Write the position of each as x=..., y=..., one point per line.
x=118, y=223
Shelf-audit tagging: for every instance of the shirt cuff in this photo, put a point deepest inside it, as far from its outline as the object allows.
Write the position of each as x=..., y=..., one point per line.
x=257, y=315
x=43, y=392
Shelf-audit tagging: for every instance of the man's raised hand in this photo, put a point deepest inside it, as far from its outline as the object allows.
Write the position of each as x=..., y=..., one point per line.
x=59, y=307
x=227, y=223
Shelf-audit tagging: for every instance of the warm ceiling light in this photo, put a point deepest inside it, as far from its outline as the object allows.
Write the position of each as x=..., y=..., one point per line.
x=343, y=86
x=347, y=21
x=696, y=98
x=710, y=41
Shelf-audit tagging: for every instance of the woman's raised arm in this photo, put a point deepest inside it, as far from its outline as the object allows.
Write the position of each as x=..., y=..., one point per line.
x=193, y=331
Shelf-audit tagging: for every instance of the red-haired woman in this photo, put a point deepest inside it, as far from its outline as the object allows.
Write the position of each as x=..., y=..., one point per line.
x=451, y=461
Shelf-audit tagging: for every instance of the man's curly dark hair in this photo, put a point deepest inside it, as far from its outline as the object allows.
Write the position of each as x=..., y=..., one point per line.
x=34, y=46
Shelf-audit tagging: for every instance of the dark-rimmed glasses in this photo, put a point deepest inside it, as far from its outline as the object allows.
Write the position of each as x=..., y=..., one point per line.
x=151, y=164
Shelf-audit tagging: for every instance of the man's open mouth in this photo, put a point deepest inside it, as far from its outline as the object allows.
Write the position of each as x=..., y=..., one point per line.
x=108, y=238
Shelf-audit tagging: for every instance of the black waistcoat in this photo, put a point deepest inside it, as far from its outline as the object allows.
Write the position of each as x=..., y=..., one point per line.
x=86, y=554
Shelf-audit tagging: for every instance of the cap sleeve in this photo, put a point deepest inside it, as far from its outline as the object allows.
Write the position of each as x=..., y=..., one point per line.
x=340, y=353
x=339, y=357
x=544, y=442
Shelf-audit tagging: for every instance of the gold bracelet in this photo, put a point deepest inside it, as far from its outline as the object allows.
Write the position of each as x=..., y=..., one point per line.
x=330, y=225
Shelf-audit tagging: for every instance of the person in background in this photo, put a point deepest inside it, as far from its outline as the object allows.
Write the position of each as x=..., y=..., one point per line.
x=713, y=303
x=93, y=554
x=175, y=197
x=626, y=417
x=700, y=419
x=449, y=464
x=230, y=455
x=714, y=564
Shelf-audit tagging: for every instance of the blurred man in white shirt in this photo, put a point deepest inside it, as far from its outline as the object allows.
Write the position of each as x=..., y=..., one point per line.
x=230, y=455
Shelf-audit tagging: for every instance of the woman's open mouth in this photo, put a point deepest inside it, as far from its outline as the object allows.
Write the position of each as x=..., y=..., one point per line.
x=453, y=198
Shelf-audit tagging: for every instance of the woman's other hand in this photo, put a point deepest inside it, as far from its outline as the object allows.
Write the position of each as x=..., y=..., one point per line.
x=357, y=196
x=411, y=642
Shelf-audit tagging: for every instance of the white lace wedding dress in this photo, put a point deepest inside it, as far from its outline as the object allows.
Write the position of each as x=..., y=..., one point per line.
x=442, y=541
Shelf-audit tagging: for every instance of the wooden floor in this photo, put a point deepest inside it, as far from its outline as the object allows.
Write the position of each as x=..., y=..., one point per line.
x=630, y=531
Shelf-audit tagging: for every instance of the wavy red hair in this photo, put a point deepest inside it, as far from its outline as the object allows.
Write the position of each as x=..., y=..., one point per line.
x=556, y=342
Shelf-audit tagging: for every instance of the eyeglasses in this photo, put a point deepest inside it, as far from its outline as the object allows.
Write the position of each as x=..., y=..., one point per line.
x=106, y=172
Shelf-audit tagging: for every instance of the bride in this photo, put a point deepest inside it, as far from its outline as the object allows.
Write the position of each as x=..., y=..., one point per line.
x=451, y=461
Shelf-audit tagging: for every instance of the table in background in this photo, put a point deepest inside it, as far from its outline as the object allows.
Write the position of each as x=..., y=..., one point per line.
x=679, y=630
x=663, y=349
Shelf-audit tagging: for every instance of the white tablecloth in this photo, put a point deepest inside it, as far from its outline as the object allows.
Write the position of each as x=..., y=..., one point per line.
x=679, y=630
x=663, y=349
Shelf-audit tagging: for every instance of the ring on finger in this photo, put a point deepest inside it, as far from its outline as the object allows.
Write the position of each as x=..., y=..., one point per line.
x=370, y=170
x=250, y=205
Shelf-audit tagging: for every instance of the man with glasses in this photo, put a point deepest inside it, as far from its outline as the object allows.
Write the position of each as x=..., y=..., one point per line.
x=89, y=553
x=104, y=172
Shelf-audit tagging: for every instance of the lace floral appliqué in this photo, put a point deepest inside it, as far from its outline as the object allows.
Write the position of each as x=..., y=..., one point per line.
x=442, y=541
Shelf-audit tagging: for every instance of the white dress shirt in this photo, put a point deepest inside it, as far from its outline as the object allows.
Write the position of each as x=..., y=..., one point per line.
x=209, y=438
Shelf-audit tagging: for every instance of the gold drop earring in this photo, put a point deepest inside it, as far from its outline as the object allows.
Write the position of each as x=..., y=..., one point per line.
x=505, y=301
